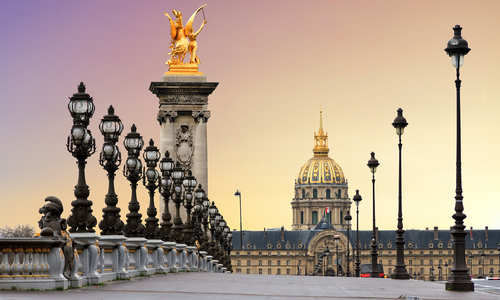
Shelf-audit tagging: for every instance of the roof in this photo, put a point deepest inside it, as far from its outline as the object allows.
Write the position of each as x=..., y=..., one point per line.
x=414, y=239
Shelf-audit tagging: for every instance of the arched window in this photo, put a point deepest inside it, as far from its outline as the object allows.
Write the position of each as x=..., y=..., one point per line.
x=303, y=193
x=328, y=196
x=315, y=217
x=315, y=193
x=341, y=217
x=301, y=217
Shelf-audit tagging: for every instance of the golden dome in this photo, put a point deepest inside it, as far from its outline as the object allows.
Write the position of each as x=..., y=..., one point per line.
x=321, y=168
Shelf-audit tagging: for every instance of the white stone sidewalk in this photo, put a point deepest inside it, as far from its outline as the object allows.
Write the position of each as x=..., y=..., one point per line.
x=201, y=286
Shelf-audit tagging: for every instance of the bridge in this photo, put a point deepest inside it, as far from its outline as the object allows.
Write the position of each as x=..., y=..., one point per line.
x=205, y=285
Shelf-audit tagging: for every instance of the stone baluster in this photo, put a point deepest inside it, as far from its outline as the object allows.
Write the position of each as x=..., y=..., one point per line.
x=5, y=266
x=16, y=267
x=170, y=256
x=209, y=263
x=28, y=261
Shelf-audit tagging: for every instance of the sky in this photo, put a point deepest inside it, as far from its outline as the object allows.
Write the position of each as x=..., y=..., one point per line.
x=277, y=63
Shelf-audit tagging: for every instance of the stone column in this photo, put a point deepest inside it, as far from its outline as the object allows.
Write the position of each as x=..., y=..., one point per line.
x=183, y=115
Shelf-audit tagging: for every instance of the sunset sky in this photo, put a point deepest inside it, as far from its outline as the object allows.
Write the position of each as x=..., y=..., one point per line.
x=277, y=63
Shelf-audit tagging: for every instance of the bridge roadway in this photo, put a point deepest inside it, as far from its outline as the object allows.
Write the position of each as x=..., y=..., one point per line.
x=200, y=286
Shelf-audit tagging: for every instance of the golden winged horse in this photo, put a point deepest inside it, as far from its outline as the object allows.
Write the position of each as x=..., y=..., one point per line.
x=183, y=38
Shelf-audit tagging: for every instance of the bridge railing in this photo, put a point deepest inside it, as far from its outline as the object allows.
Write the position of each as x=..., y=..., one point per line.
x=38, y=263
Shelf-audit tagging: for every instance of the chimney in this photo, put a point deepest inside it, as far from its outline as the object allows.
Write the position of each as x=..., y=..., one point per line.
x=471, y=236
x=376, y=233
x=436, y=233
x=486, y=233
x=282, y=233
x=426, y=228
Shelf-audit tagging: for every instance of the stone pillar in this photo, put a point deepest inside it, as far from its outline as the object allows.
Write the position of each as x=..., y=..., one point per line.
x=183, y=117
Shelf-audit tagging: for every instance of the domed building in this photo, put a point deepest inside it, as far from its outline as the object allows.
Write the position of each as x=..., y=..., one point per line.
x=320, y=188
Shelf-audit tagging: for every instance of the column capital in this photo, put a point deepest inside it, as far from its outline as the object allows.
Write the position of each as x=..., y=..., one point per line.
x=201, y=115
x=166, y=115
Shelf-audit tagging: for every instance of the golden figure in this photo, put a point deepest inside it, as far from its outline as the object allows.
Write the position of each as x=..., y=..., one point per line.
x=183, y=41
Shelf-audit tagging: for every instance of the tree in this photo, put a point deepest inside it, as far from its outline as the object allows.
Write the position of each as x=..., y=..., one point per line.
x=18, y=231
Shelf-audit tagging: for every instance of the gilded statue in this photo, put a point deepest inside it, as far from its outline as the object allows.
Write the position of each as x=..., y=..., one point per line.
x=184, y=41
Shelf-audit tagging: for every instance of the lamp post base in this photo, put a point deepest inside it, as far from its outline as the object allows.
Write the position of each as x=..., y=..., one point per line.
x=400, y=273
x=465, y=286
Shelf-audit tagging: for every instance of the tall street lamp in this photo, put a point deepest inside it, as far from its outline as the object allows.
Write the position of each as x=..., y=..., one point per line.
x=357, y=198
x=151, y=156
x=133, y=171
x=373, y=164
x=111, y=127
x=400, y=270
x=237, y=193
x=189, y=184
x=459, y=280
x=336, y=238
x=81, y=145
x=166, y=167
x=177, y=175
x=348, y=219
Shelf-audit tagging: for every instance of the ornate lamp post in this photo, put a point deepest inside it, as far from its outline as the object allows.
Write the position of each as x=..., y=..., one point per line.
x=373, y=164
x=177, y=175
x=81, y=145
x=459, y=280
x=166, y=166
x=111, y=127
x=400, y=270
x=357, y=198
x=198, y=209
x=133, y=171
x=151, y=156
x=189, y=184
x=336, y=238
x=348, y=219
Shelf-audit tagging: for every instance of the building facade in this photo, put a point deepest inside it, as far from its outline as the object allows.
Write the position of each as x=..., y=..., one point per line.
x=321, y=184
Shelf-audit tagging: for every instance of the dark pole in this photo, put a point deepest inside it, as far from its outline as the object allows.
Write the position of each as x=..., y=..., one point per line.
x=459, y=279
x=348, y=219
x=373, y=164
x=151, y=156
x=238, y=193
x=337, y=250
x=133, y=171
x=110, y=159
x=81, y=145
x=357, y=198
x=400, y=270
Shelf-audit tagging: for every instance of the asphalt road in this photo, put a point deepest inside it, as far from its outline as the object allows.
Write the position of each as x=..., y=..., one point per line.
x=215, y=286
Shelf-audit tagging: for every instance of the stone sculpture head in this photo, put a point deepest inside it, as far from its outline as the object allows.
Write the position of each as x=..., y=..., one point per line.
x=51, y=222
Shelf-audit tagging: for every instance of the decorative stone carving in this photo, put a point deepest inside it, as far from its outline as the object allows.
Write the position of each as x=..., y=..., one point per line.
x=52, y=225
x=184, y=146
x=201, y=115
x=166, y=115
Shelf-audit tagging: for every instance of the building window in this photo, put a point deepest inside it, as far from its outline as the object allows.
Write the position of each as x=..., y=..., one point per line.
x=248, y=271
x=260, y=271
x=341, y=217
x=278, y=271
x=330, y=217
x=328, y=196
x=339, y=194
x=269, y=271
x=410, y=262
x=431, y=262
x=287, y=271
x=279, y=262
x=260, y=262
x=303, y=193
x=287, y=262
x=390, y=263
x=238, y=270
x=421, y=262
x=315, y=193
x=315, y=217
x=300, y=262
x=269, y=262
x=301, y=217
x=248, y=262
x=238, y=262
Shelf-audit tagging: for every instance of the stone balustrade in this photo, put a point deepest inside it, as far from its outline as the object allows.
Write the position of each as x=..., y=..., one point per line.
x=38, y=263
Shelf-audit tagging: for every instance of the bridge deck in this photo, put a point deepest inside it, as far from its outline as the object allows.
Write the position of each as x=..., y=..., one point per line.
x=234, y=286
